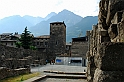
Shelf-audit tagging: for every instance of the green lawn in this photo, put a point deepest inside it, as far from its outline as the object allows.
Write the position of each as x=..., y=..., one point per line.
x=20, y=78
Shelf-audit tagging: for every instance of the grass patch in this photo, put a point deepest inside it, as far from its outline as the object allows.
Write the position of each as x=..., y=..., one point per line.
x=20, y=78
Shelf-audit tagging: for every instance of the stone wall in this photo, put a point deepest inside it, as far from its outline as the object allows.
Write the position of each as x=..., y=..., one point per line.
x=106, y=47
x=4, y=72
x=109, y=63
x=57, y=42
x=79, y=48
x=15, y=57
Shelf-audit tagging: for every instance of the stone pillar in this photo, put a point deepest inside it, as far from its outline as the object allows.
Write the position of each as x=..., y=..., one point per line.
x=92, y=39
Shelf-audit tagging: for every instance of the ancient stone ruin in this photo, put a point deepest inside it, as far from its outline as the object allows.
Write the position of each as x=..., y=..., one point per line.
x=106, y=44
x=17, y=61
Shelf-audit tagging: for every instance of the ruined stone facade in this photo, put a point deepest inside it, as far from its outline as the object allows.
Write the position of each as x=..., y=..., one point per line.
x=5, y=72
x=50, y=45
x=79, y=48
x=57, y=42
x=106, y=47
x=42, y=43
x=15, y=58
x=8, y=39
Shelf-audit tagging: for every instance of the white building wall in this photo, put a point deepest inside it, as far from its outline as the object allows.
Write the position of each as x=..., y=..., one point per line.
x=68, y=61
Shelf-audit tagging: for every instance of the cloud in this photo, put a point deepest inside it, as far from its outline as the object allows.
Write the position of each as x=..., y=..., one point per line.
x=59, y=2
x=81, y=7
x=44, y=7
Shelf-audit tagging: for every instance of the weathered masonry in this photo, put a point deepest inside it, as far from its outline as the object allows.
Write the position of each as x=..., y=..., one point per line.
x=106, y=44
x=57, y=42
x=79, y=48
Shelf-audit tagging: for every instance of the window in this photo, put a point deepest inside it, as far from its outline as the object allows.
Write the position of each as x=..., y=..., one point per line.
x=37, y=43
x=46, y=43
x=75, y=61
x=56, y=42
x=41, y=43
x=58, y=60
x=12, y=43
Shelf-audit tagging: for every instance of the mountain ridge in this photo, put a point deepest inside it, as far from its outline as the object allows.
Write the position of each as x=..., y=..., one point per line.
x=68, y=17
x=75, y=24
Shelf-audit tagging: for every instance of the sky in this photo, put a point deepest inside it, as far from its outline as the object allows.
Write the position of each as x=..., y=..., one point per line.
x=42, y=8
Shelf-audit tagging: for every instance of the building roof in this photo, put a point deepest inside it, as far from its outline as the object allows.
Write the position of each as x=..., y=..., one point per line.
x=17, y=35
x=8, y=40
x=58, y=23
x=44, y=36
x=79, y=39
x=6, y=34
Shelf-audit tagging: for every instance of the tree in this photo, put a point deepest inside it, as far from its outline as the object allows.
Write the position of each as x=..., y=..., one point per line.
x=18, y=44
x=26, y=39
x=32, y=47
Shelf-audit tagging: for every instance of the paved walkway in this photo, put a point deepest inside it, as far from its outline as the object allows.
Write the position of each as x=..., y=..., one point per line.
x=57, y=68
x=63, y=68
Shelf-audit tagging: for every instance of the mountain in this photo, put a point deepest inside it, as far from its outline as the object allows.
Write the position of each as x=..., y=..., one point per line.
x=36, y=20
x=16, y=23
x=68, y=17
x=33, y=20
x=13, y=24
x=50, y=15
x=43, y=27
x=75, y=25
x=81, y=27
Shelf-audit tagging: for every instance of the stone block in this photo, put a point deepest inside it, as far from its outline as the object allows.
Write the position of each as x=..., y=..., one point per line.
x=103, y=32
x=113, y=7
x=108, y=76
x=88, y=33
x=110, y=57
x=113, y=31
x=117, y=17
x=90, y=68
x=105, y=39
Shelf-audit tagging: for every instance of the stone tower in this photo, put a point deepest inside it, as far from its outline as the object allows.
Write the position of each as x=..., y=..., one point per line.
x=57, y=42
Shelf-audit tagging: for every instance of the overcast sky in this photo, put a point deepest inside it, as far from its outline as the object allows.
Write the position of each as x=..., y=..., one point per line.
x=43, y=7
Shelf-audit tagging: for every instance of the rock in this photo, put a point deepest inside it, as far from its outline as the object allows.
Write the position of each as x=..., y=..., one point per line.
x=113, y=7
x=110, y=57
x=108, y=76
x=117, y=17
x=106, y=44
x=103, y=9
x=113, y=31
x=90, y=69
